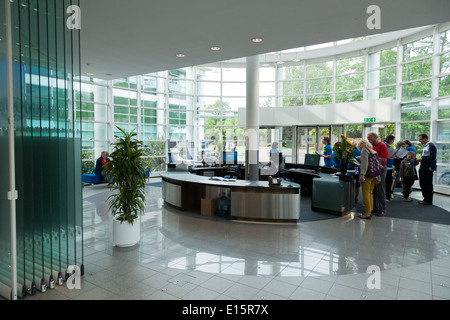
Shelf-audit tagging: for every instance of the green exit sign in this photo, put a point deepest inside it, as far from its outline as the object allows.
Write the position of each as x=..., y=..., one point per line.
x=370, y=119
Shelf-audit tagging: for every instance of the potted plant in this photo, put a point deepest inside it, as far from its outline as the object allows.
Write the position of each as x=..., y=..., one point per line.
x=344, y=152
x=127, y=172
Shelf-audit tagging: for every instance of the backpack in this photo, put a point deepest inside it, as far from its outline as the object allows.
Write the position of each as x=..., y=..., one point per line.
x=375, y=168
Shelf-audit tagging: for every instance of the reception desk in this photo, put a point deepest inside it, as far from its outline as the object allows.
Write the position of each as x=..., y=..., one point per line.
x=330, y=191
x=250, y=200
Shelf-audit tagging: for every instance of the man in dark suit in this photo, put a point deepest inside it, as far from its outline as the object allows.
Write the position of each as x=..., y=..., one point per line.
x=427, y=167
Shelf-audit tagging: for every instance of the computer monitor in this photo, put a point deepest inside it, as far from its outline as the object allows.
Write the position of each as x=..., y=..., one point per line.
x=172, y=144
x=312, y=160
x=229, y=157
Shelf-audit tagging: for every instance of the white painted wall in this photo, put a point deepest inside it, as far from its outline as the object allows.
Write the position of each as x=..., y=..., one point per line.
x=329, y=114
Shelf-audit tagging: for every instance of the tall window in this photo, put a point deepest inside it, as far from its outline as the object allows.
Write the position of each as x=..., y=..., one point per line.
x=319, y=83
x=350, y=79
x=382, y=74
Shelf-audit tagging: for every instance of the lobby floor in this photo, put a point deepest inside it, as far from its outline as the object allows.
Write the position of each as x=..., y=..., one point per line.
x=185, y=256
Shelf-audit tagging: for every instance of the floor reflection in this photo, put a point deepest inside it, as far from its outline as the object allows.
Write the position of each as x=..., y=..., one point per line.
x=337, y=246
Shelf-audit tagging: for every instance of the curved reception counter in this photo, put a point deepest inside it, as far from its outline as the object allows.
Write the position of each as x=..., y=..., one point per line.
x=250, y=200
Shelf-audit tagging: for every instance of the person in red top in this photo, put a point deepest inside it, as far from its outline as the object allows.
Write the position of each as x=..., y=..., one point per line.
x=100, y=165
x=379, y=194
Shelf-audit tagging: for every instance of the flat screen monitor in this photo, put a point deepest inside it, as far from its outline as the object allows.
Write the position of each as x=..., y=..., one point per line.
x=172, y=144
x=312, y=160
x=229, y=157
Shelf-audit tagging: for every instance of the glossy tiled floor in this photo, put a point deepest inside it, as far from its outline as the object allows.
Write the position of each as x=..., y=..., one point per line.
x=186, y=256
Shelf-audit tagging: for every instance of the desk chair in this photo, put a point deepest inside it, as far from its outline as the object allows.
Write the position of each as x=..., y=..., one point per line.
x=237, y=174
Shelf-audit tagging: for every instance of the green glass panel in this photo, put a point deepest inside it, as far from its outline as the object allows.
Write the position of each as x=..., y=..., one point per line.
x=5, y=235
x=47, y=141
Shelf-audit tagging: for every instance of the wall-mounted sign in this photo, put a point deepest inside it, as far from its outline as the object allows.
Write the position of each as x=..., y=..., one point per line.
x=366, y=120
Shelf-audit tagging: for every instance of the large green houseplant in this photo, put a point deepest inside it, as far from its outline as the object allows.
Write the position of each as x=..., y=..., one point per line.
x=127, y=172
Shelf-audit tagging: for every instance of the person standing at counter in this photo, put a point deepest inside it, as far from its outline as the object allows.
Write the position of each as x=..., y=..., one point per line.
x=380, y=192
x=367, y=183
x=354, y=166
x=427, y=167
x=327, y=152
x=388, y=141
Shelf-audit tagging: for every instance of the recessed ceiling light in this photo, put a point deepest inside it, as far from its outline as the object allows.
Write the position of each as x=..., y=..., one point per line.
x=280, y=62
x=257, y=40
x=265, y=65
x=296, y=60
x=89, y=73
x=215, y=48
x=180, y=55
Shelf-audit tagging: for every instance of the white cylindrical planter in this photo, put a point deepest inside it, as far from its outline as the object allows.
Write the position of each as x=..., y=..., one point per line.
x=125, y=234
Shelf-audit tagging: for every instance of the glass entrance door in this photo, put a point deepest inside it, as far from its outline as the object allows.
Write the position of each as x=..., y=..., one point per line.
x=336, y=132
x=309, y=140
x=306, y=142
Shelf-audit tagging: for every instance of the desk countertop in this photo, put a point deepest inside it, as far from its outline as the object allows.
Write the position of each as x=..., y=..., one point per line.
x=191, y=178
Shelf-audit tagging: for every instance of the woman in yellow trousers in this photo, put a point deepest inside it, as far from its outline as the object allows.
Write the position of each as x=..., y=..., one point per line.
x=367, y=183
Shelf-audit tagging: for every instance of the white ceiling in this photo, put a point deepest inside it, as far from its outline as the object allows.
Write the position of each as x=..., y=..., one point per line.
x=130, y=37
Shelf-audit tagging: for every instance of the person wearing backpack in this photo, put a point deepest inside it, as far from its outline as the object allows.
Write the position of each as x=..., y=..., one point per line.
x=366, y=179
x=379, y=205
x=407, y=174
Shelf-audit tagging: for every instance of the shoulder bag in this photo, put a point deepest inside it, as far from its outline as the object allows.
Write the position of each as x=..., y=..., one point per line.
x=375, y=168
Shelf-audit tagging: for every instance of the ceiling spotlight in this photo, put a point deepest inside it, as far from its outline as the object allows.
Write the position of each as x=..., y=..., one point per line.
x=180, y=55
x=215, y=48
x=257, y=40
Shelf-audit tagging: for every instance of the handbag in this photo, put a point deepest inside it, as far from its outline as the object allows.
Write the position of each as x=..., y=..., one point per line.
x=375, y=168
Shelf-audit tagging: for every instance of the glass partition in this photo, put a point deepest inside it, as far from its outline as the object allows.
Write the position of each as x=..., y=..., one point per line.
x=5, y=235
x=46, y=62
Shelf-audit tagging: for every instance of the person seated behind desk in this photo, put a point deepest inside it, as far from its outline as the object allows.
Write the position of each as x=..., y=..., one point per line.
x=100, y=166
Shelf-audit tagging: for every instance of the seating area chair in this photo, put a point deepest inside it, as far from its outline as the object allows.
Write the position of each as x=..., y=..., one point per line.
x=91, y=178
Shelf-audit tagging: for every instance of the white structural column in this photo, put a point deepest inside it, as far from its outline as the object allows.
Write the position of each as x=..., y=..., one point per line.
x=12, y=195
x=252, y=120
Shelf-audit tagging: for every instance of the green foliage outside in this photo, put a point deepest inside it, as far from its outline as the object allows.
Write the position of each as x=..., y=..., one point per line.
x=220, y=131
x=155, y=155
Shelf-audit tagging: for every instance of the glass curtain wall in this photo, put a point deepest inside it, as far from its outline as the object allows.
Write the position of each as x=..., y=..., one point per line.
x=442, y=85
x=201, y=103
x=46, y=62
